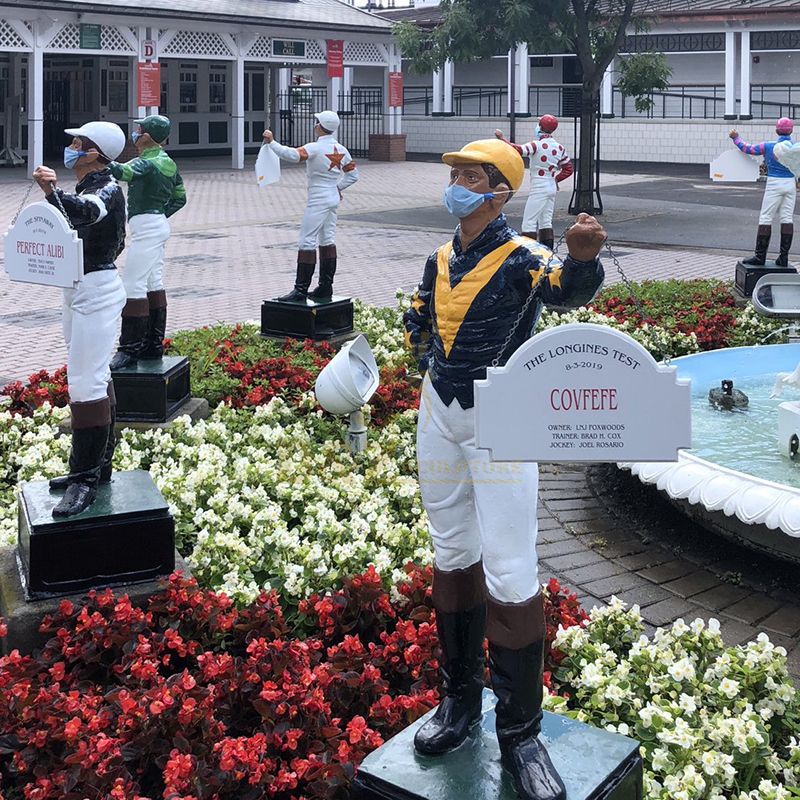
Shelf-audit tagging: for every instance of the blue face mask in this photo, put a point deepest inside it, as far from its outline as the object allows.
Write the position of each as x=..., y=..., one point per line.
x=135, y=136
x=461, y=202
x=537, y=133
x=71, y=157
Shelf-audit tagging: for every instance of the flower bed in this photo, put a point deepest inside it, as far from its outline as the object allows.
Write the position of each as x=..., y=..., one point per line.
x=192, y=699
x=714, y=721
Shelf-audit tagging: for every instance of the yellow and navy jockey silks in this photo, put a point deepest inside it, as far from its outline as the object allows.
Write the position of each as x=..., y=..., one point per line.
x=469, y=300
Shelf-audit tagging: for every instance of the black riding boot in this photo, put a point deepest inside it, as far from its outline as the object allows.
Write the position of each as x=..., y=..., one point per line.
x=89, y=445
x=157, y=325
x=133, y=336
x=327, y=269
x=762, y=245
x=787, y=234
x=61, y=483
x=462, y=663
x=306, y=264
x=517, y=673
x=546, y=238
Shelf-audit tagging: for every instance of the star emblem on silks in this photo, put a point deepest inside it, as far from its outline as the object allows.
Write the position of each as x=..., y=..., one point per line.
x=335, y=158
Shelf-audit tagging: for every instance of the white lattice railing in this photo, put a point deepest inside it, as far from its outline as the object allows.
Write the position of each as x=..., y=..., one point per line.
x=10, y=39
x=197, y=43
x=112, y=40
x=363, y=53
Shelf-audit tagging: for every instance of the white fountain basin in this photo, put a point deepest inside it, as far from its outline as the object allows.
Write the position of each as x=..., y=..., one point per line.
x=737, y=479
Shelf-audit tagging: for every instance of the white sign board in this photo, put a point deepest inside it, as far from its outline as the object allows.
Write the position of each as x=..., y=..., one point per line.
x=41, y=248
x=733, y=166
x=149, y=48
x=582, y=392
x=268, y=167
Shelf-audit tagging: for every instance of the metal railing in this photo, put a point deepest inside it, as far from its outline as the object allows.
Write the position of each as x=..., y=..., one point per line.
x=678, y=102
x=774, y=100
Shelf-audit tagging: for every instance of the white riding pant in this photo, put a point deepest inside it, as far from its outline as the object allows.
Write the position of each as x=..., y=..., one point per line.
x=318, y=227
x=144, y=266
x=539, y=208
x=90, y=318
x=476, y=508
x=779, y=199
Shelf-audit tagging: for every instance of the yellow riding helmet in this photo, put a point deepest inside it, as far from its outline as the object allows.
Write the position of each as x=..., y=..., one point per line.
x=495, y=152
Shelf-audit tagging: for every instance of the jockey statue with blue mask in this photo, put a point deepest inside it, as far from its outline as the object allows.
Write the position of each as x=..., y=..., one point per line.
x=484, y=529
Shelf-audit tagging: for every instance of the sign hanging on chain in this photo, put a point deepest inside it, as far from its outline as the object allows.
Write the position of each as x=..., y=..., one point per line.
x=149, y=84
x=42, y=248
x=335, y=58
x=582, y=393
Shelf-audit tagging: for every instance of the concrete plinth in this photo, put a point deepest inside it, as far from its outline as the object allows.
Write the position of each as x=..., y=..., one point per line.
x=24, y=617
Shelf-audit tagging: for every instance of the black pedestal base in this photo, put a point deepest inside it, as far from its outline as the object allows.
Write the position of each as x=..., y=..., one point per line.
x=594, y=765
x=308, y=320
x=153, y=390
x=126, y=536
x=747, y=276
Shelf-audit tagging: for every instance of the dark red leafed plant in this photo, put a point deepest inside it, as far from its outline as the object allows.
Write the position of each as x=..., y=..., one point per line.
x=42, y=387
x=194, y=699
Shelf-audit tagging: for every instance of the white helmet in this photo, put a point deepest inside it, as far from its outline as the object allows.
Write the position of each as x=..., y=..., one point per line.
x=108, y=137
x=329, y=120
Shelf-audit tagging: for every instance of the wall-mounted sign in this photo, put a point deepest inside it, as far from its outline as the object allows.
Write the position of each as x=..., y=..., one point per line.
x=395, y=90
x=335, y=57
x=149, y=47
x=288, y=48
x=583, y=392
x=149, y=84
x=90, y=36
x=41, y=248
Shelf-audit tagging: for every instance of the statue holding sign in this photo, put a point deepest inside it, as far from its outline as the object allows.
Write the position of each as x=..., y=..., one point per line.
x=779, y=196
x=91, y=309
x=331, y=170
x=155, y=193
x=473, y=299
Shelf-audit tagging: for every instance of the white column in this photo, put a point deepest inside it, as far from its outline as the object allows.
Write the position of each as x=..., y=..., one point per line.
x=438, y=91
x=512, y=59
x=153, y=33
x=347, y=81
x=135, y=111
x=284, y=87
x=237, y=114
x=523, y=80
x=396, y=65
x=607, y=91
x=744, y=77
x=36, y=101
x=447, y=87
x=335, y=93
x=730, y=75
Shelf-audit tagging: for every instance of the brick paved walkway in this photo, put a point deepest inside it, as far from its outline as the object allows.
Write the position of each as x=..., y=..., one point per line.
x=235, y=244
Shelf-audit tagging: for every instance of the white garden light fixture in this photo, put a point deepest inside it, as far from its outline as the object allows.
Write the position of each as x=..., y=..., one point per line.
x=349, y=381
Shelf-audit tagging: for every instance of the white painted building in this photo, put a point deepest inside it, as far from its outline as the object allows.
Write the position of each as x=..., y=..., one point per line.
x=731, y=60
x=228, y=69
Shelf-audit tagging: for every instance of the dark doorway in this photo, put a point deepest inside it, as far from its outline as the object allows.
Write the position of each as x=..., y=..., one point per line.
x=571, y=72
x=56, y=116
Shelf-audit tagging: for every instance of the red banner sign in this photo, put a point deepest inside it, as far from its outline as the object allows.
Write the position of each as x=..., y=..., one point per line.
x=149, y=93
x=335, y=58
x=395, y=90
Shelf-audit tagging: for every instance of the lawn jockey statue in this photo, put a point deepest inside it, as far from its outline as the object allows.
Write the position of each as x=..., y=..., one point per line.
x=482, y=516
x=330, y=169
x=550, y=165
x=779, y=195
x=155, y=193
x=90, y=311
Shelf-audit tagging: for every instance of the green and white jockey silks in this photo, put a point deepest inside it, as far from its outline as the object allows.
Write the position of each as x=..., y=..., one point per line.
x=155, y=193
x=156, y=186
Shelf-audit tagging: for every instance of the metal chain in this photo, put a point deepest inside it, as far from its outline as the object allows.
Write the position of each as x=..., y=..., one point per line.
x=629, y=286
x=59, y=204
x=24, y=202
x=543, y=276
x=534, y=291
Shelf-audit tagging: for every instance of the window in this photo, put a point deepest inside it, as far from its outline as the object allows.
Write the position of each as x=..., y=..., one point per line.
x=188, y=133
x=254, y=91
x=117, y=90
x=217, y=132
x=188, y=90
x=217, y=85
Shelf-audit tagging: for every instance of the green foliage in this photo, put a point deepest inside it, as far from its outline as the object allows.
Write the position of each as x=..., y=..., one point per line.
x=642, y=74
